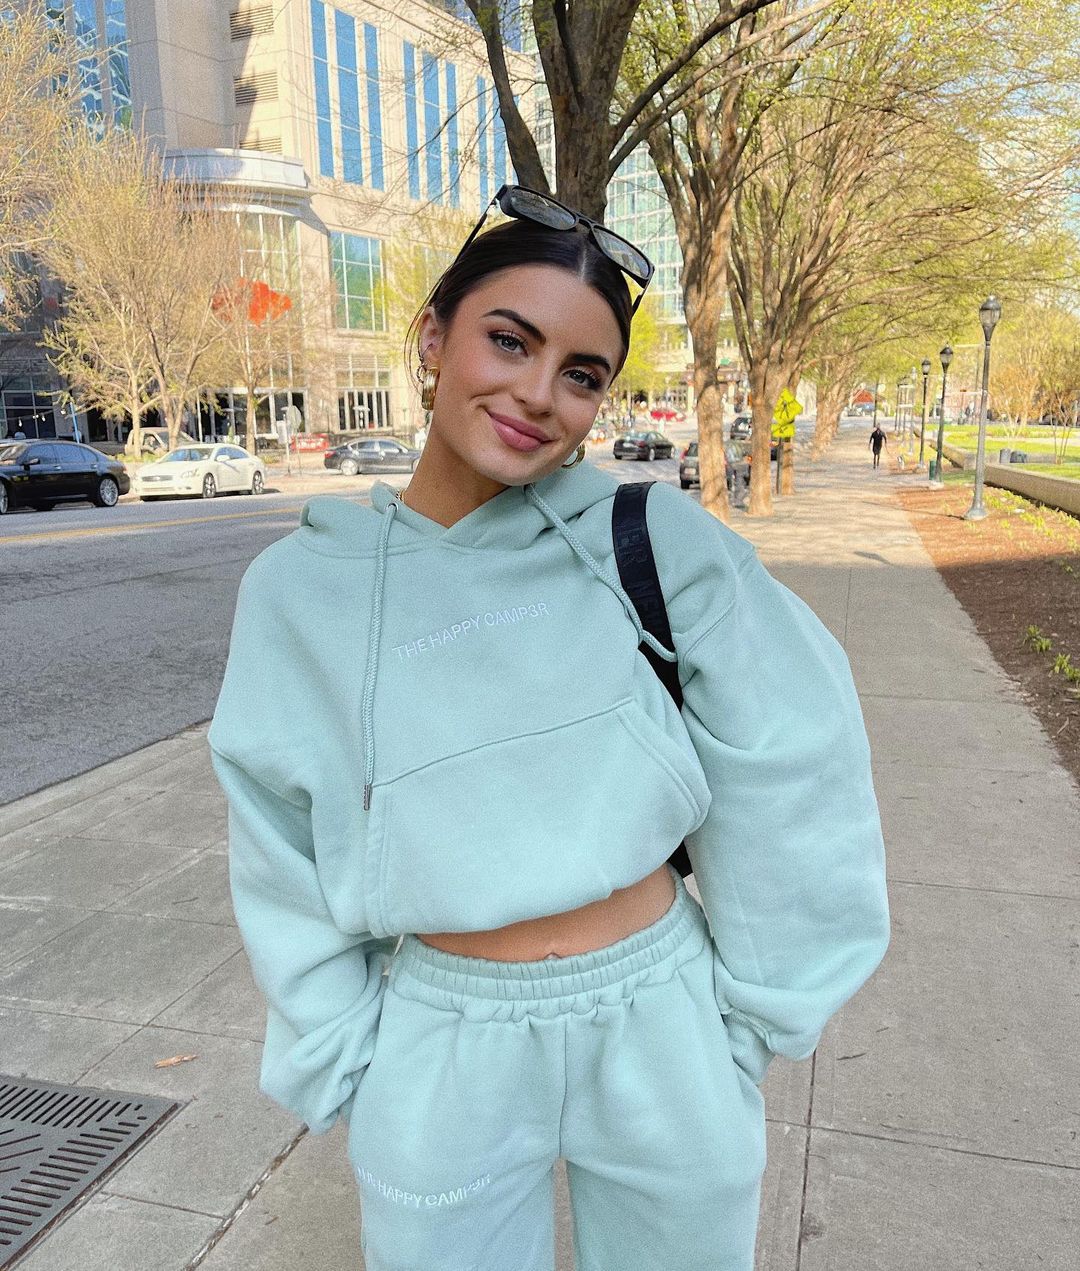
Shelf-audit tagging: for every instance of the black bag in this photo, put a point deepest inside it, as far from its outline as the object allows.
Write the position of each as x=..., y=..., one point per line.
x=640, y=581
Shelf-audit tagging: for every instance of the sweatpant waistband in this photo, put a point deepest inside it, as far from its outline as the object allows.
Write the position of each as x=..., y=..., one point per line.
x=681, y=930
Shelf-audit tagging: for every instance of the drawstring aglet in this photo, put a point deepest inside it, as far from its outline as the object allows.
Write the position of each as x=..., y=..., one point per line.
x=367, y=796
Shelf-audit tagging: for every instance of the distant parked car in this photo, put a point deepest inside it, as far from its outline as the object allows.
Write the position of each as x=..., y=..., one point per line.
x=665, y=414
x=40, y=474
x=201, y=471
x=155, y=441
x=741, y=428
x=738, y=459
x=372, y=454
x=643, y=443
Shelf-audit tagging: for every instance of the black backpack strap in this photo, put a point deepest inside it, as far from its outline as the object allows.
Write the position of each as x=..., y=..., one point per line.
x=640, y=581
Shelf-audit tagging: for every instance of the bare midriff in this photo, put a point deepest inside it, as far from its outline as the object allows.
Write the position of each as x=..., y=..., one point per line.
x=593, y=926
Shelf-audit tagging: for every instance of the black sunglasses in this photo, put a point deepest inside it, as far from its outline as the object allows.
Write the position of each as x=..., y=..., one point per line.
x=528, y=205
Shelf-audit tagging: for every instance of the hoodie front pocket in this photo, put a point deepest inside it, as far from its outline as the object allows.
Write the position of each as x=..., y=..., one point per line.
x=534, y=824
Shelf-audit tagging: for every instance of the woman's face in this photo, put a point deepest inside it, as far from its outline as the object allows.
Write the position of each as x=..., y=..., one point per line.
x=531, y=349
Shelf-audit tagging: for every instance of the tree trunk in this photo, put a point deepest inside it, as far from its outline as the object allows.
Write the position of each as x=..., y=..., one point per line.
x=761, y=411
x=703, y=306
x=136, y=423
x=831, y=396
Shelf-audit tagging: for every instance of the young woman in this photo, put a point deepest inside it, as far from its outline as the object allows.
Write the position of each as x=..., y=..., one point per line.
x=447, y=758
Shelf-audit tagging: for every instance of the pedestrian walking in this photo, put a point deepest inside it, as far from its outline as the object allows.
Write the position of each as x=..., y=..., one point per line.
x=877, y=440
x=455, y=886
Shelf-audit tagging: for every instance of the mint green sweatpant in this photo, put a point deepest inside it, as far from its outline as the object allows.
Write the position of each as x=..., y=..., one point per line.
x=616, y=1060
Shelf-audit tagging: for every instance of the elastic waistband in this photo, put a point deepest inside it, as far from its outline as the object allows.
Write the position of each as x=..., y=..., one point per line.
x=681, y=929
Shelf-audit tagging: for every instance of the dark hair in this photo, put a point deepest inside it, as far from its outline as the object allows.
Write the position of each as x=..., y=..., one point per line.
x=520, y=242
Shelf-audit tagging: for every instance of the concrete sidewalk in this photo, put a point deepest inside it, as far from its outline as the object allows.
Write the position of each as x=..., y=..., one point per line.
x=936, y=1127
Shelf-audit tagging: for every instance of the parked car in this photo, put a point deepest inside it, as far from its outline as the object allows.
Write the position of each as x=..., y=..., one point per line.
x=737, y=454
x=643, y=443
x=155, y=441
x=688, y=467
x=40, y=474
x=372, y=454
x=741, y=428
x=201, y=471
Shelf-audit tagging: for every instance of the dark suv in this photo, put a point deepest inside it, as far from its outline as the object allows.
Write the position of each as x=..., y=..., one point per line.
x=737, y=454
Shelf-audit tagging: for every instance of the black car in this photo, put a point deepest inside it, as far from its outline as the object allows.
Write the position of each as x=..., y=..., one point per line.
x=39, y=474
x=372, y=454
x=643, y=443
x=741, y=428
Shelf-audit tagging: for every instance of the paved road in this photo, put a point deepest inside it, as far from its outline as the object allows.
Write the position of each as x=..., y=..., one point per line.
x=114, y=622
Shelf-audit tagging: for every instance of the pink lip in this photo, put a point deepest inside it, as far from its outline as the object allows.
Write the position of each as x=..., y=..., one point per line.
x=519, y=425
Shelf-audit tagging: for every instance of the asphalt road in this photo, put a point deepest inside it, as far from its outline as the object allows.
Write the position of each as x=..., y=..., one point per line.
x=114, y=622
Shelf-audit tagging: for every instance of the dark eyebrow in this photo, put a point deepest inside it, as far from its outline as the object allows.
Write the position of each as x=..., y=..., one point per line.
x=593, y=358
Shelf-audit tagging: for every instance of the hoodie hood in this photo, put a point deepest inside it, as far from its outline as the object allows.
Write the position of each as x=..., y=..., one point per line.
x=513, y=520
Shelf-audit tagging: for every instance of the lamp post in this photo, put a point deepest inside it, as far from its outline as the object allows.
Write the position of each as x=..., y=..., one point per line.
x=925, y=368
x=989, y=313
x=896, y=420
x=946, y=356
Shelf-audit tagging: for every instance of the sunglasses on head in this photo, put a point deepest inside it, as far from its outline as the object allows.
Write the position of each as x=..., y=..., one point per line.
x=528, y=205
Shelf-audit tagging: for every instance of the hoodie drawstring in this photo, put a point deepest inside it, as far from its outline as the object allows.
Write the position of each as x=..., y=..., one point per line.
x=375, y=630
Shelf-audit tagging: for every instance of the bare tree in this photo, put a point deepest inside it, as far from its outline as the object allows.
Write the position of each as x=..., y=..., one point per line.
x=142, y=258
x=37, y=115
x=581, y=47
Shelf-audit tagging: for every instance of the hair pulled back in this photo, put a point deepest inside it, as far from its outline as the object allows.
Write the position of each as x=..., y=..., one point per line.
x=519, y=242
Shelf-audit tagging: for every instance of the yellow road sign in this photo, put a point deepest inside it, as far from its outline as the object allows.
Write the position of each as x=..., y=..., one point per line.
x=781, y=431
x=787, y=410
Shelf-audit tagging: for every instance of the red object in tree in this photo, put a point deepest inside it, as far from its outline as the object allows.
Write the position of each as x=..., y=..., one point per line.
x=262, y=301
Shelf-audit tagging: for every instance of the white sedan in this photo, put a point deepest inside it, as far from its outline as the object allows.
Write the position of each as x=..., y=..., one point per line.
x=200, y=470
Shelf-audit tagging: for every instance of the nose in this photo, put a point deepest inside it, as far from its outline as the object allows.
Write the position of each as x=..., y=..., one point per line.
x=533, y=387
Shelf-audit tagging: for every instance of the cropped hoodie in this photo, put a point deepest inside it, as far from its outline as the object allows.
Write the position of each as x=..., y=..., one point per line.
x=424, y=728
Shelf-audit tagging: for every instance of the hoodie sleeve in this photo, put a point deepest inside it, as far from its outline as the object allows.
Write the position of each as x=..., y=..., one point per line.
x=323, y=987
x=789, y=861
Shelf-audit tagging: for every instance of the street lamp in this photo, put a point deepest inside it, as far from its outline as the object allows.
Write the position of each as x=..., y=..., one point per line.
x=989, y=313
x=925, y=368
x=896, y=420
x=946, y=356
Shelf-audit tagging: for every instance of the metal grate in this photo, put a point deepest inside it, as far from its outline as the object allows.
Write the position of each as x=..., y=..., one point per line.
x=258, y=87
x=268, y=144
x=55, y=1142
x=256, y=20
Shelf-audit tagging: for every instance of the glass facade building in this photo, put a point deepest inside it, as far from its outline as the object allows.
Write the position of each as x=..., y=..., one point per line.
x=349, y=129
x=99, y=33
x=356, y=264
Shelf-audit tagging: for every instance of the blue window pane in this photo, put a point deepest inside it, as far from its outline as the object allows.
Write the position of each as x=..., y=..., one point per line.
x=510, y=18
x=432, y=138
x=118, y=67
x=352, y=166
x=452, y=134
x=318, y=28
x=323, y=127
x=371, y=60
x=411, y=139
x=499, y=146
x=482, y=131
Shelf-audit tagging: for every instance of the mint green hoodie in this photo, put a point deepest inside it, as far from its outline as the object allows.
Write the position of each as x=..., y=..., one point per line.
x=425, y=729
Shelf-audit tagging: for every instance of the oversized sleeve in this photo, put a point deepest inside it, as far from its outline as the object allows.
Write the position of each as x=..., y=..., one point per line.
x=789, y=861
x=323, y=986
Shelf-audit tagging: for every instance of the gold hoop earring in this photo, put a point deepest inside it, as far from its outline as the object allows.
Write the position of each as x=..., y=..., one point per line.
x=577, y=458
x=429, y=382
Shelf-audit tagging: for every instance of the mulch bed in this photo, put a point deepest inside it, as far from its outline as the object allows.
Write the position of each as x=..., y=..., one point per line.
x=1017, y=568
